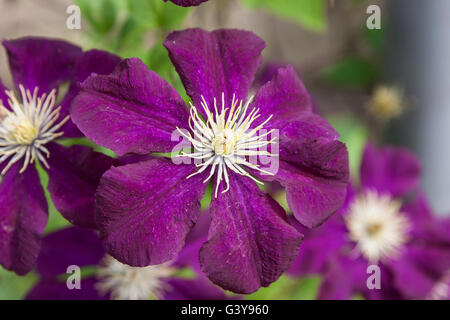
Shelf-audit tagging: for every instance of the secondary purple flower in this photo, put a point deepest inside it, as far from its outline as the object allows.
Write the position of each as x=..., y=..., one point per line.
x=30, y=125
x=110, y=279
x=146, y=209
x=378, y=226
x=187, y=3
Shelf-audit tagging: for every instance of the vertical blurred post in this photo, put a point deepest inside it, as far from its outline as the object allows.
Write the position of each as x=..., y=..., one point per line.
x=419, y=61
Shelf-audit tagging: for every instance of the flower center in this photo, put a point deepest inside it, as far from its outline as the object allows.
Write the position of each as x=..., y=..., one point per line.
x=27, y=126
x=124, y=282
x=227, y=141
x=378, y=227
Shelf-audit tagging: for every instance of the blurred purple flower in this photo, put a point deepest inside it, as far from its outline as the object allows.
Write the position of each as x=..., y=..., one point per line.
x=187, y=3
x=29, y=129
x=146, y=209
x=80, y=247
x=410, y=245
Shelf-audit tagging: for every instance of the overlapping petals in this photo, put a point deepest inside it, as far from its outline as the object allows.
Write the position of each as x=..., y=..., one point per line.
x=146, y=210
x=48, y=64
x=132, y=110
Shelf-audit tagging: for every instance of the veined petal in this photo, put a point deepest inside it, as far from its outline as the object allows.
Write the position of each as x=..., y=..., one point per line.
x=23, y=217
x=3, y=96
x=283, y=97
x=74, y=175
x=212, y=63
x=132, y=110
x=145, y=210
x=40, y=62
x=250, y=242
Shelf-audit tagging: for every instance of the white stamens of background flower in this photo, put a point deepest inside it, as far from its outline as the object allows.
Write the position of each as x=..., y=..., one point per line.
x=378, y=227
x=441, y=291
x=225, y=140
x=124, y=282
x=27, y=127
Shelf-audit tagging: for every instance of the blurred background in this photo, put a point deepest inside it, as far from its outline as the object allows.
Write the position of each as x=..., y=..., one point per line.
x=389, y=85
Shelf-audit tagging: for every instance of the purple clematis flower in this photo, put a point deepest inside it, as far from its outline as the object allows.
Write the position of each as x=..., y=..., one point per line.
x=76, y=246
x=379, y=226
x=187, y=3
x=30, y=125
x=146, y=209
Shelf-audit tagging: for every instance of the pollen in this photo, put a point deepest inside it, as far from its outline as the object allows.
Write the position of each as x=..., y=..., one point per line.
x=227, y=139
x=27, y=126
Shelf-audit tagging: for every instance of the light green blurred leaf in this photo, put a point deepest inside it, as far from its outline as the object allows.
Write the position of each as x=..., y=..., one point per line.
x=288, y=288
x=55, y=219
x=351, y=72
x=355, y=135
x=308, y=13
x=14, y=287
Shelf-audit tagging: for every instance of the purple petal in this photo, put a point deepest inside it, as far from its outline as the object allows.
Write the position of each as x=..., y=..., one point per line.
x=314, y=198
x=66, y=247
x=93, y=61
x=418, y=270
x=284, y=97
x=193, y=289
x=54, y=290
x=250, y=242
x=212, y=63
x=3, y=97
x=187, y=3
x=40, y=62
x=318, y=247
x=74, y=175
x=395, y=171
x=145, y=210
x=23, y=216
x=132, y=110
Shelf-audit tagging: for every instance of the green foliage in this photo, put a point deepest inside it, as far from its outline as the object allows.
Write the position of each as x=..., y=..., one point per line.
x=310, y=14
x=14, y=287
x=352, y=72
x=288, y=288
x=355, y=135
x=55, y=219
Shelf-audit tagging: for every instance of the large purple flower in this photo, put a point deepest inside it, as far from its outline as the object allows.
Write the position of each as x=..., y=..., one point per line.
x=29, y=127
x=110, y=279
x=379, y=226
x=146, y=209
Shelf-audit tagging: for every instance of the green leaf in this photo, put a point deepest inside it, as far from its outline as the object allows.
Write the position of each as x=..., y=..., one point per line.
x=376, y=39
x=351, y=72
x=14, y=287
x=288, y=288
x=355, y=135
x=308, y=13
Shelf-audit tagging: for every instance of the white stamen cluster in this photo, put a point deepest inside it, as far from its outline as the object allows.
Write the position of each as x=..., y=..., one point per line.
x=226, y=140
x=378, y=227
x=27, y=127
x=124, y=282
